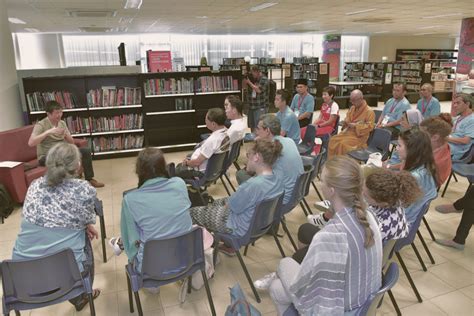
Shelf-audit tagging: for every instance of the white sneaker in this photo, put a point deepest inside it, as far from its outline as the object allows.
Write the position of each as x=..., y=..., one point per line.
x=116, y=244
x=323, y=206
x=317, y=220
x=153, y=290
x=264, y=283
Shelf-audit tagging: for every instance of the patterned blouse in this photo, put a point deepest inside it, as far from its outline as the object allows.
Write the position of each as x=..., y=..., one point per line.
x=67, y=205
x=392, y=222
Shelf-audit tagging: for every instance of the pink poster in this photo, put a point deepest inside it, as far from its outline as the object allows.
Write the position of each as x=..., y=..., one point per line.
x=332, y=54
x=159, y=61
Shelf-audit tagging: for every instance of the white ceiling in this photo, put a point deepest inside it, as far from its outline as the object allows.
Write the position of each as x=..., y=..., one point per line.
x=398, y=17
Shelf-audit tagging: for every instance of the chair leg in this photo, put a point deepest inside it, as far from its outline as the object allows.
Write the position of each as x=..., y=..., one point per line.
x=285, y=228
x=17, y=313
x=236, y=165
x=91, y=304
x=103, y=237
x=230, y=182
x=139, y=304
x=249, y=279
x=303, y=208
x=317, y=191
x=208, y=292
x=410, y=280
x=447, y=183
x=278, y=243
x=419, y=256
x=394, y=303
x=429, y=229
x=428, y=252
x=225, y=186
x=308, y=208
x=245, y=250
x=455, y=178
x=130, y=296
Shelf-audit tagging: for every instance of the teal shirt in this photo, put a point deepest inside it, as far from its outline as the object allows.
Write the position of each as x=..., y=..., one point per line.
x=307, y=104
x=35, y=241
x=431, y=108
x=288, y=166
x=156, y=210
x=242, y=203
x=463, y=128
x=289, y=124
x=428, y=187
x=394, y=109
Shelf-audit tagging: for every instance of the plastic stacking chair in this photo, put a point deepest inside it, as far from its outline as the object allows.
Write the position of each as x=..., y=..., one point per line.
x=99, y=211
x=466, y=159
x=261, y=223
x=43, y=281
x=231, y=158
x=317, y=170
x=379, y=142
x=307, y=144
x=336, y=126
x=312, y=161
x=167, y=261
x=377, y=115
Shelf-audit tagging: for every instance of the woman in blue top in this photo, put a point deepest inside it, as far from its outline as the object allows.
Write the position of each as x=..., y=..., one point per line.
x=233, y=215
x=58, y=213
x=416, y=154
x=157, y=209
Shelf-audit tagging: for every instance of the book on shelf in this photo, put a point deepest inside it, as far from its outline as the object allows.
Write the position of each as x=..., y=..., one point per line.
x=111, y=96
x=305, y=60
x=168, y=86
x=117, y=142
x=182, y=104
x=37, y=100
x=216, y=84
x=116, y=123
x=233, y=61
x=77, y=125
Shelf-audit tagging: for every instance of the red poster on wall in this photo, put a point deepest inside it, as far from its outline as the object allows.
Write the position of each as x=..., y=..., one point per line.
x=159, y=61
x=332, y=54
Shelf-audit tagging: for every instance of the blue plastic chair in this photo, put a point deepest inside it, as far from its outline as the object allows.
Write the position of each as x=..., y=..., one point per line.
x=378, y=142
x=231, y=158
x=43, y=281
x=307, y=144
x=167, y=261
x=466, y=159
x=261, y=223
x=99, y=211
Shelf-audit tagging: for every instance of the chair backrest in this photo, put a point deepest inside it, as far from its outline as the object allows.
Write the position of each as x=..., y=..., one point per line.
x=172, y=259
x=336, y=126
x=29, y=282
x=377, y=115
x=467, y=157
x=232, y=155
x=309, y=136
x=299, y=191
x=387, y=252
x=314, y=161
x=390, y=278
x=214, y=168
x=380, y=141
x=309, y=164
x=402, y=242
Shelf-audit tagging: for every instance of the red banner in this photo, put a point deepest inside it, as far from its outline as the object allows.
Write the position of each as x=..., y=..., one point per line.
x=159, y=61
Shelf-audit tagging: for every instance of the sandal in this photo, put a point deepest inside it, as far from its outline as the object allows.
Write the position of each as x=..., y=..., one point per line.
x=85, y=300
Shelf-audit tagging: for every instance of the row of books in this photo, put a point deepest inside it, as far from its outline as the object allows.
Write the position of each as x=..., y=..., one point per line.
x=233, y=61
x=411, y=73
x=410, y=66
x=365, y=74
x=181, y=104
x=111, y=96
x=305, y=60
x=77, y=124
x=216, y=83
x=168, y=86
x=311, y=67
x=305, y=75
x=364, y=66
x=407, y=79
x=37, y=100
x=115, y=123
x=120, y=142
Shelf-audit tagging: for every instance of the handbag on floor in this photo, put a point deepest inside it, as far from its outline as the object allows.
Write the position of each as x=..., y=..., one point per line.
x=239, y=306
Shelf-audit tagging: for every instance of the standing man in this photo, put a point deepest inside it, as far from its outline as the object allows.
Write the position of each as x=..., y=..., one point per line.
x=257, y=96
x=303, y=103
x=52, y=130
x=460, y=140
x=288, y=120
x=393, y=110
x=428, y=105
x=233, y=111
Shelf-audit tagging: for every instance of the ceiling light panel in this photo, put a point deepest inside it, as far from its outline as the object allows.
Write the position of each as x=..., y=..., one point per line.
x=16, y=21
x=133, y=4
x=263, y=6
x=360, y=11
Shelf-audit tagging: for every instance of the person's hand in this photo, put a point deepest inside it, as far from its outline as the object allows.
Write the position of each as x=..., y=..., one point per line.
x=245, y=81
x=351, y=125
x=56, y=131
x=91, y=232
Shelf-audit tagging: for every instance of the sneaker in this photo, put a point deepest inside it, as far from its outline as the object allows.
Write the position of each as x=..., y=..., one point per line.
x=317, y=220
x=450, y=243
x=226, y=250
x=95, y=183
x=264, y=283
x=323, y=206
x=153, y=290
x=446, y=209
x=116, y=244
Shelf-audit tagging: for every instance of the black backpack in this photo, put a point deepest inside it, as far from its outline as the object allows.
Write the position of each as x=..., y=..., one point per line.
x=6, y=203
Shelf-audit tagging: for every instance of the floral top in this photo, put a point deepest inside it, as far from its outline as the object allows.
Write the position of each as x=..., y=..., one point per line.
x=67, y=205
x=392, y=222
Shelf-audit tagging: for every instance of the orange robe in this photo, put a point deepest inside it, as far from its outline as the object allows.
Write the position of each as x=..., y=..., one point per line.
x=353, y=138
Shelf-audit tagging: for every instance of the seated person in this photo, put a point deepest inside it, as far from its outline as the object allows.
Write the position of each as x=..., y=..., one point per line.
x=145, y=215
x=303, y=103
x=348, y=251
x=289, y=166
x=58, y=213
x=393, y=110
x=410, y=118
x=428, y=105
x=326, y=122
x=439, y=130
x=461, y=137
x=52, y=130
x=356, y=128
x=217, y=142
x=233, y=215
x=288, y=120
x=233, y=111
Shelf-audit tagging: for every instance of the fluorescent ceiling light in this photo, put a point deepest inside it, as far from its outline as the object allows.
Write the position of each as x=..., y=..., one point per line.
x=419, y=34
x=126, y=19
x=201, y=17
x=430, y=27
x=16, y=21
x=381, y=32
x=262, y=6
x=133, y=4
x=440, y=16
x=302, y=23
x=360, y=11
x=267, y=30
x=226, y=21
x=151, y=25
x=32, y=30
x=327, y=31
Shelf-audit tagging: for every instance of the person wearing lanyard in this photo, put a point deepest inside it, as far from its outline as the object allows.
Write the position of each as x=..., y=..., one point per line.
x=428, y=105
x=460, y=140
x=303, y=103
x=393, y=110
x=288, y=120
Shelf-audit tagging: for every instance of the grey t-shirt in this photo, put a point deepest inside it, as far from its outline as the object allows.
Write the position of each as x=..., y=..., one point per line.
x=51, y=140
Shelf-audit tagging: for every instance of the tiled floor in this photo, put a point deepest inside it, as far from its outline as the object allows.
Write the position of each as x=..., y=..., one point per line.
x=447, y=287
